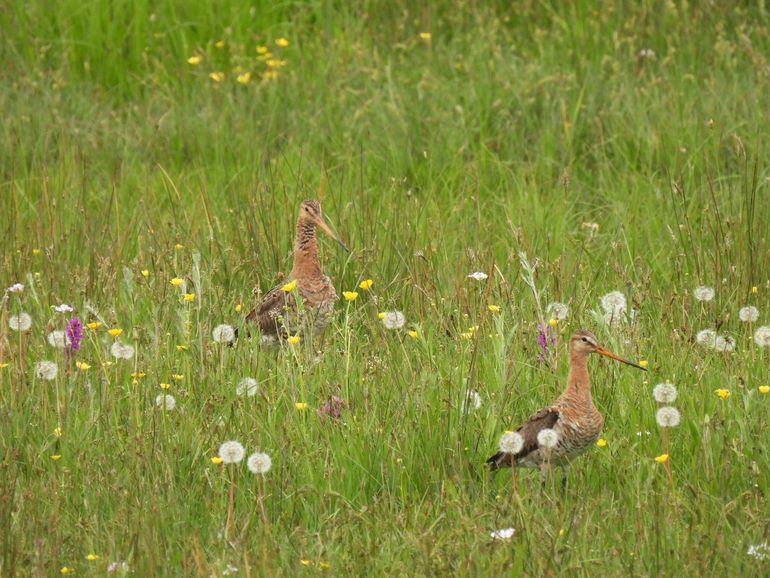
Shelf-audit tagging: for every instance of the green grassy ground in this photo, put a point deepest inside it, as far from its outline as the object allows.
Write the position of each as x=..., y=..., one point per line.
x=620, y=146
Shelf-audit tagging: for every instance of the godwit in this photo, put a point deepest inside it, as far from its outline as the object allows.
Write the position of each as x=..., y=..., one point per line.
x=277, y=313
x=573, y=417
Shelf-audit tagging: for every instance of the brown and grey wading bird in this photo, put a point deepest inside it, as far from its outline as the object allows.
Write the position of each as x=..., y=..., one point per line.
x=277, y=314
x=573, y=416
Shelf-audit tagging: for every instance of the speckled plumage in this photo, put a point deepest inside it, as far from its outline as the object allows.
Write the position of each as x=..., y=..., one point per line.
x=278, y=314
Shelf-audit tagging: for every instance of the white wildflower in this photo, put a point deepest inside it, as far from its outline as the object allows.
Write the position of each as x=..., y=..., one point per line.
x=478, y=276
x=122, y=350
x=393, y=320
x=15, y=288
x=759, y=551
x=246, y=386
x=21, y=322
x=63, y=308
x=706, y=337
x=165, y=402
x=511, y=442
x=558, y=311
x=748, y=314
x=223, y=333
x=46, y=370
x=471, y=401
x=547, y=438
x=668, y=417
x=704, y=293
x=58, y=339
x=504, y=534
x=231, y=452
x=664, y=393
x=647, y=53
x=229, y=569
x=259, y=463
x=724, y=343
x=762, y=336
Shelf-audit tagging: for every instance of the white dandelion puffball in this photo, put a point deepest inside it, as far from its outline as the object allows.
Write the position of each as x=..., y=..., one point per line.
x=547, y=438
x=558, y=311
x=724, y=343
x=58, y=339
x=478, y=276
x=259, y=463
x=246, y=386
x=704, y=293
x=471, y=401
x=122, y=350
x=748, y=314
x=668, y=417
x=613, y=303
x=223, y=333
x=393, y=320
x=664, y=393
x=46, y=370
x=63, y=308
x=706, y=337
x=511, y=442
x=21, y=322
x=165, y=402
x=504, y=534
x=762, y=336
x=231, y=452
x=15, y=288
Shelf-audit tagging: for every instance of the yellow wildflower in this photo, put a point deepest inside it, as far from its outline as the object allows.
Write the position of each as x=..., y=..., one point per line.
x=57, y=432
x=553, y=322
x=93, y=325
x=92, y=557
x=194, y=60
x=216, y=460
x=305, y=562
x=662, y=458
x=601, y=443
x=467, y=335
x=493, y=308
x=189, y=297
x=366, y=284
x=115, y=331
x=56, y=457
x=764, y=389
x=165, y=385
x=754, y=290
x=282, y=42
x=381, y=315
x=413, y=334
x=275, y=63
x=138, y=374
x=82, y=365
x=178, y=376
x=176, y=281
x=106, y=363
x=219, y=44
x=4, y=365
x=473, y=329
x=145, y=273
x=300, y=405
x=722, y=393
x=350, y=295
x=238, y=307
x=244, y=78
x=425, y=36
x=293, y=339
x=324, y=565
x=36, y=251
x=643, y=363
x=262, y=50
x=217, y=76
x=66, y=570
x=179, y=246
x=182, y=347
x=289, y=287
x=269, y=75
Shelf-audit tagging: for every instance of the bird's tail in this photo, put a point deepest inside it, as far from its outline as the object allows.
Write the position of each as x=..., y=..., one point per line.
x=499, y=460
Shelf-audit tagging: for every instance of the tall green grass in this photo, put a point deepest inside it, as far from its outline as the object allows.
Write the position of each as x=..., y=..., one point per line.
x=511, y=130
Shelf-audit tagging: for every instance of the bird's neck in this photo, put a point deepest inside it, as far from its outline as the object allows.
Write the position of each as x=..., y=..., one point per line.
x=578, y=383
x=305, y=250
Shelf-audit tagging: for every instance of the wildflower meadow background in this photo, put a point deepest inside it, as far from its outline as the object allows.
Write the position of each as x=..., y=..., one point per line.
x=504, y=173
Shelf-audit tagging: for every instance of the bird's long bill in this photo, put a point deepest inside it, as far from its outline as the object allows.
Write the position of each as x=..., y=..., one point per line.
x=605, y=353
x=328, y=231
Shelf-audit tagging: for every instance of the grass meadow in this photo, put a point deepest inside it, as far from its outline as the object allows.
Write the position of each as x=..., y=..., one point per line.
x=566, y=149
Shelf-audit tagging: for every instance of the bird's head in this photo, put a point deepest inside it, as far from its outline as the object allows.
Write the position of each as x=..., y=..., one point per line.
x=585, y=342
x=310, y=212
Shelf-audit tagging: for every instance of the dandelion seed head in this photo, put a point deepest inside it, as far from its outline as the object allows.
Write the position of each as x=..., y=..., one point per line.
x=223, y=333
x=706, y=337
x=231, y=452
x=259, y=463
x=122, y=350
x=511, y=442
x=393, y=320
x=246, y=386
x=57, y=339
x=613, y=302
x=558, y=311
x=21, y=322
x=762, y=336
x=664, y=393
x=166, y=402
x=471, y=401
x=748, y=314
x=668, y=417
x=46, y=370
x=703, y=293
x=724, y=343
x=547, y=438
x=63, y=308
x=15, y=288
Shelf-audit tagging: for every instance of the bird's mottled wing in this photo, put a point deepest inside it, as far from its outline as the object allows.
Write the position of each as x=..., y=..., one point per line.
x=269, y=313
x=545, y=418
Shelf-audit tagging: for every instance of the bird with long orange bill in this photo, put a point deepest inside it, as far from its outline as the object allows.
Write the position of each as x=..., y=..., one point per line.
x=572, y=423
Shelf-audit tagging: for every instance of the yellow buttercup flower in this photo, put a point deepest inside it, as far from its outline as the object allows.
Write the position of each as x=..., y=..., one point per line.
x=350, y=295
x=165, y=385
x=92, y=557
x=553, y=322
x=262, y=50
x=36, y=251
x=82, y=365
x=194, y=60
x=413, y=334
x=493, y=308
x=601, y=443
x=244, y=78
x=179, y=246
x=754, y=290
x=381, y=315
x=425, y=36
x=722, y=393
x=282, y=42
x=305, y=562
x=145, y=273
x=324, y=565
x=300, y=405
x=57, y=432
x=66, y=570
x=4, y=365
x=217, y=76
x=764, y=389
x=643, y=363
x=216, y=460
x=93, y=325
x=188, y=297
x=275, y=63
x=366, y=284
x=178, y=376
x=115, y=331
x=138, y=374
x=467, y=335
x=289, y=287
x=662, y=458
x=176, y=281
x=238, y=308
x=182, y=347
x=219, y=44
x=293, y=339
x=56, y=457
x=270, y=75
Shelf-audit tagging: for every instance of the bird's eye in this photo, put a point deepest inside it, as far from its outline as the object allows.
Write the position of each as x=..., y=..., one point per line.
x=584, y=340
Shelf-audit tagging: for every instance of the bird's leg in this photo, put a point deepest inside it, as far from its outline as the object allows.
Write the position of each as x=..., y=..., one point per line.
x=564, y=470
